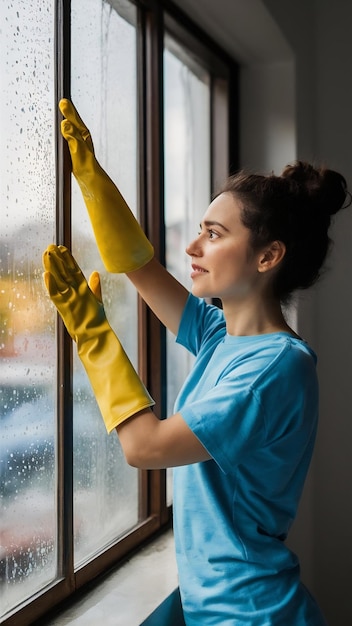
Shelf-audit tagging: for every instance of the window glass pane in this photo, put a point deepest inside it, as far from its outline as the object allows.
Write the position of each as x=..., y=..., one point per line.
x=27, y=344
x=104, y=91
x=187, y=178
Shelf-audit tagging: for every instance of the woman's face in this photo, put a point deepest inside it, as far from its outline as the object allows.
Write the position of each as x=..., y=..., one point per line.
x=223, y=264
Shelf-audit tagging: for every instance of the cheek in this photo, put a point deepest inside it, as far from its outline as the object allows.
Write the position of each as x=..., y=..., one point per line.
x=238, y=270
x=235, y=262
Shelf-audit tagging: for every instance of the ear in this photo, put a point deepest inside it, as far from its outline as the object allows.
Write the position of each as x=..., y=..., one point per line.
x=271, y=256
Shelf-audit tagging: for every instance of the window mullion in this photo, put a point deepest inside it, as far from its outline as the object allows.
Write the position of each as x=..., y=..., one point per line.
x=155, y=228
x=64, y=345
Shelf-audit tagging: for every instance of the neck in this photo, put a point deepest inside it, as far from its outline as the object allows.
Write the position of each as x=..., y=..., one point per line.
x=257, y=317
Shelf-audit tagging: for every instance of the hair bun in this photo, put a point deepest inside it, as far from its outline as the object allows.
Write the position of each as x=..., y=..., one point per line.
x=326, y=189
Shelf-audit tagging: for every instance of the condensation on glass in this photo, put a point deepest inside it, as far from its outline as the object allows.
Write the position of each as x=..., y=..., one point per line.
x=187, y=180
x=104, y=91
x=27, y=321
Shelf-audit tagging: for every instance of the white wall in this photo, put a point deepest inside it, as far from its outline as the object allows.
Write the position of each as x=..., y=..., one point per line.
x=296, y=100
x=323, y=49
x=267, y=114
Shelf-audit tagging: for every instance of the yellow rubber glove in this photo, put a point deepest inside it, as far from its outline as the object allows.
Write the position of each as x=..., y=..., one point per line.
x=122, y=243
x=117, y=388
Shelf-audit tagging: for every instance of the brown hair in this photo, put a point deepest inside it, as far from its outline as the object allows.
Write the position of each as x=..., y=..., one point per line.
x=295, y=208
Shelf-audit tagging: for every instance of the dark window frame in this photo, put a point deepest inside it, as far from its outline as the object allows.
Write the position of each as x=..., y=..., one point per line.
x=154, y=19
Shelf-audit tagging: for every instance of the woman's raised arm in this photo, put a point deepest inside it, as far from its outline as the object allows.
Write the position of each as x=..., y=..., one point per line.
x=162, y=293
x=123, y=246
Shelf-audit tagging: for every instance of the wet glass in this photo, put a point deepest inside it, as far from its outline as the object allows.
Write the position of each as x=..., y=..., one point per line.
x=27, y=320
x=104, y=92
x=187, y=181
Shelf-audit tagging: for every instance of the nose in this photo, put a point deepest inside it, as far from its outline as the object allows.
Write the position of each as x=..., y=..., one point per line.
x=194, y=247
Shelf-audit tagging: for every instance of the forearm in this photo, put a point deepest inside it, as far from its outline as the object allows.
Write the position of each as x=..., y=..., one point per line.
x=165, y=296
x=122, y=244
x=117, y=387
x=122, y=398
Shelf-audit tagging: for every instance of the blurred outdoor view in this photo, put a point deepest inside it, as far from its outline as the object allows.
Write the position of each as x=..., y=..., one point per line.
x=104, y=89
x=27, y=348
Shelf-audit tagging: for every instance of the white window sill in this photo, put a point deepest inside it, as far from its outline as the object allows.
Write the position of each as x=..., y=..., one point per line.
x=130, y=594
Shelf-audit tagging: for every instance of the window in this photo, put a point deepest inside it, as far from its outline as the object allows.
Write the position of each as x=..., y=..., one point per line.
x=155, y=94
x=187, y=175
x=104, y=89
x=28, y=441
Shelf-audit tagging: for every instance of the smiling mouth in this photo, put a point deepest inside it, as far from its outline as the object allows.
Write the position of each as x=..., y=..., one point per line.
x=196, y=271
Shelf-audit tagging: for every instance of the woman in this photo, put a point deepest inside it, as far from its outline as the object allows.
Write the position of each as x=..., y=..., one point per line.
x=243, y=431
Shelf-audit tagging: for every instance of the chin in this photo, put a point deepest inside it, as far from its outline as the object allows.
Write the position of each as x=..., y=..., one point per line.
x=201, y=293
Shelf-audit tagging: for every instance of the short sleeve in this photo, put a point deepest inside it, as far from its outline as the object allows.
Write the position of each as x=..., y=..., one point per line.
x=228, y=421
x=199, y=323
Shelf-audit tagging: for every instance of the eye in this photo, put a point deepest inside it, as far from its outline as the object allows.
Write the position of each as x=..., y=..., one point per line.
x=211, y=234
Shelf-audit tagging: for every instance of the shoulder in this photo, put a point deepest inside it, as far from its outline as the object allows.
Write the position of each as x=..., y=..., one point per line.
x=279, y=364
x=202, y=312
x=287, y=389
x=278, y=370
x=263, y=355
x=200, y=323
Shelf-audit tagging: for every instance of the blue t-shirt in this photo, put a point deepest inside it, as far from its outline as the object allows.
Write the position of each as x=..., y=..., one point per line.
x=253, y=403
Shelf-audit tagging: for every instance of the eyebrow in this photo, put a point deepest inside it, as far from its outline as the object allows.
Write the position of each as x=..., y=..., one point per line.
x=213, y=223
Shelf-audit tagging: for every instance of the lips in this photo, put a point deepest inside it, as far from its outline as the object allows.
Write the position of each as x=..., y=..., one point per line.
x=197, y=270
